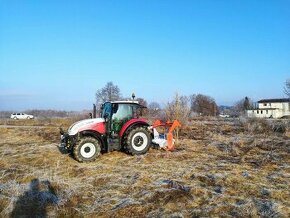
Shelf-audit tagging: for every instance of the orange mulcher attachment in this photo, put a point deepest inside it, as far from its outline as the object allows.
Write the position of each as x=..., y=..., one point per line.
x=165, y=140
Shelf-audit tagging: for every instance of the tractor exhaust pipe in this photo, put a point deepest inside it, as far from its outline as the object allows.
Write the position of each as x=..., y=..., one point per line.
x=94, y=111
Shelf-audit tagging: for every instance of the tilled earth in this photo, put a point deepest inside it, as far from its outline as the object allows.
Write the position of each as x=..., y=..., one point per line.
x=218, y=170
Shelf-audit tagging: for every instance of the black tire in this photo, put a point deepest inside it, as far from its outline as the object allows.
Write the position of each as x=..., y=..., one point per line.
x=137, y=141
x=87, y=149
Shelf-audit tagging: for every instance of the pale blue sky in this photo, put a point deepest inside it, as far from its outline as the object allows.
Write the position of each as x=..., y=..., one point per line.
x=55, y=54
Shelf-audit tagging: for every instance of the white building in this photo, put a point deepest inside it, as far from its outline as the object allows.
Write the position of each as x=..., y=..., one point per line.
x=271, y=108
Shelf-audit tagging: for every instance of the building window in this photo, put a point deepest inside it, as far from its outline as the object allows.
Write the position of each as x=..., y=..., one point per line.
x=257, y=112
x=265, y=104
x=270, y=104
x=266, y=111
x=261, y=112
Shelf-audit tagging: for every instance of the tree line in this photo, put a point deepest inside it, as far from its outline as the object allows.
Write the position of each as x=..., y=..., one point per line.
x=181, y=106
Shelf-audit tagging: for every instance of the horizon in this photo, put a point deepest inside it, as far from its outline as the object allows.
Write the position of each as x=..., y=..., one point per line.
x=55, y=55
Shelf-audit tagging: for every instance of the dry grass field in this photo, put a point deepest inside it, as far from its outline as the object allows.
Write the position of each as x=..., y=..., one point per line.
x=221, y=168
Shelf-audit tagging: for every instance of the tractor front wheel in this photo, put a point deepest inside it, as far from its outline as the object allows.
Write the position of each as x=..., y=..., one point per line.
x=87, y=149
x=137, y=141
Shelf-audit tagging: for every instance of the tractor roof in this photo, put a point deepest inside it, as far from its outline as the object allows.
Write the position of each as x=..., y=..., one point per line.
x=127, y=102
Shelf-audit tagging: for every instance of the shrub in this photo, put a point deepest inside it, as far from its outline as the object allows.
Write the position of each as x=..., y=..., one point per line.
x=178, y=109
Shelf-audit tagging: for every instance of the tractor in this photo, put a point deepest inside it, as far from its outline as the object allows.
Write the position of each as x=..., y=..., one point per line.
x=119, y=127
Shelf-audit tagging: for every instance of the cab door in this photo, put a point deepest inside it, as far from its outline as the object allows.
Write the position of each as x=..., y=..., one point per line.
x=120, y=116
x=107, y=115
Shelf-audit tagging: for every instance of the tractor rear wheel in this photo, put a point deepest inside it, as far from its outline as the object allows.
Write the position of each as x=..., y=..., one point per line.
x=137, y=141
x=87, y=149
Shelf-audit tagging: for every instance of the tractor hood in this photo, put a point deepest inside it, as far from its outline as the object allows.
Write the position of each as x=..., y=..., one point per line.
x=84, y=124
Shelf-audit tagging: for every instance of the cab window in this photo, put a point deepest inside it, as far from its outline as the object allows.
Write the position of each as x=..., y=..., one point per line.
x=124, y=112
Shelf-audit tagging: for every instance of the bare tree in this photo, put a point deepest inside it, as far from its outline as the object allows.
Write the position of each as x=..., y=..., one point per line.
x=154, y=109
x=242, y=105
x=178, y=109
x=287, y=88
x=203, y=105
x=247, y=104
x=110, y=92
x=142, y=101
x=239, y=107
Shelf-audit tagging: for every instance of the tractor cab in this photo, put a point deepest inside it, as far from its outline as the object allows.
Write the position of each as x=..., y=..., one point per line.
x=117, y=113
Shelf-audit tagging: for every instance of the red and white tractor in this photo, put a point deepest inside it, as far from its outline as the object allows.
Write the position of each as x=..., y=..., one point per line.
x=118, y=128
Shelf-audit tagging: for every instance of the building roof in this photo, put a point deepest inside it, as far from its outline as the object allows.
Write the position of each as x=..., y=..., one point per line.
x=275, y=100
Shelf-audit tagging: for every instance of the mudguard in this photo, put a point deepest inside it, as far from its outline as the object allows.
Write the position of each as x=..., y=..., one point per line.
x=131, y=122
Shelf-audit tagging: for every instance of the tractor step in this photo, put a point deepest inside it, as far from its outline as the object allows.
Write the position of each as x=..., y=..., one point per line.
x=113, y=144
